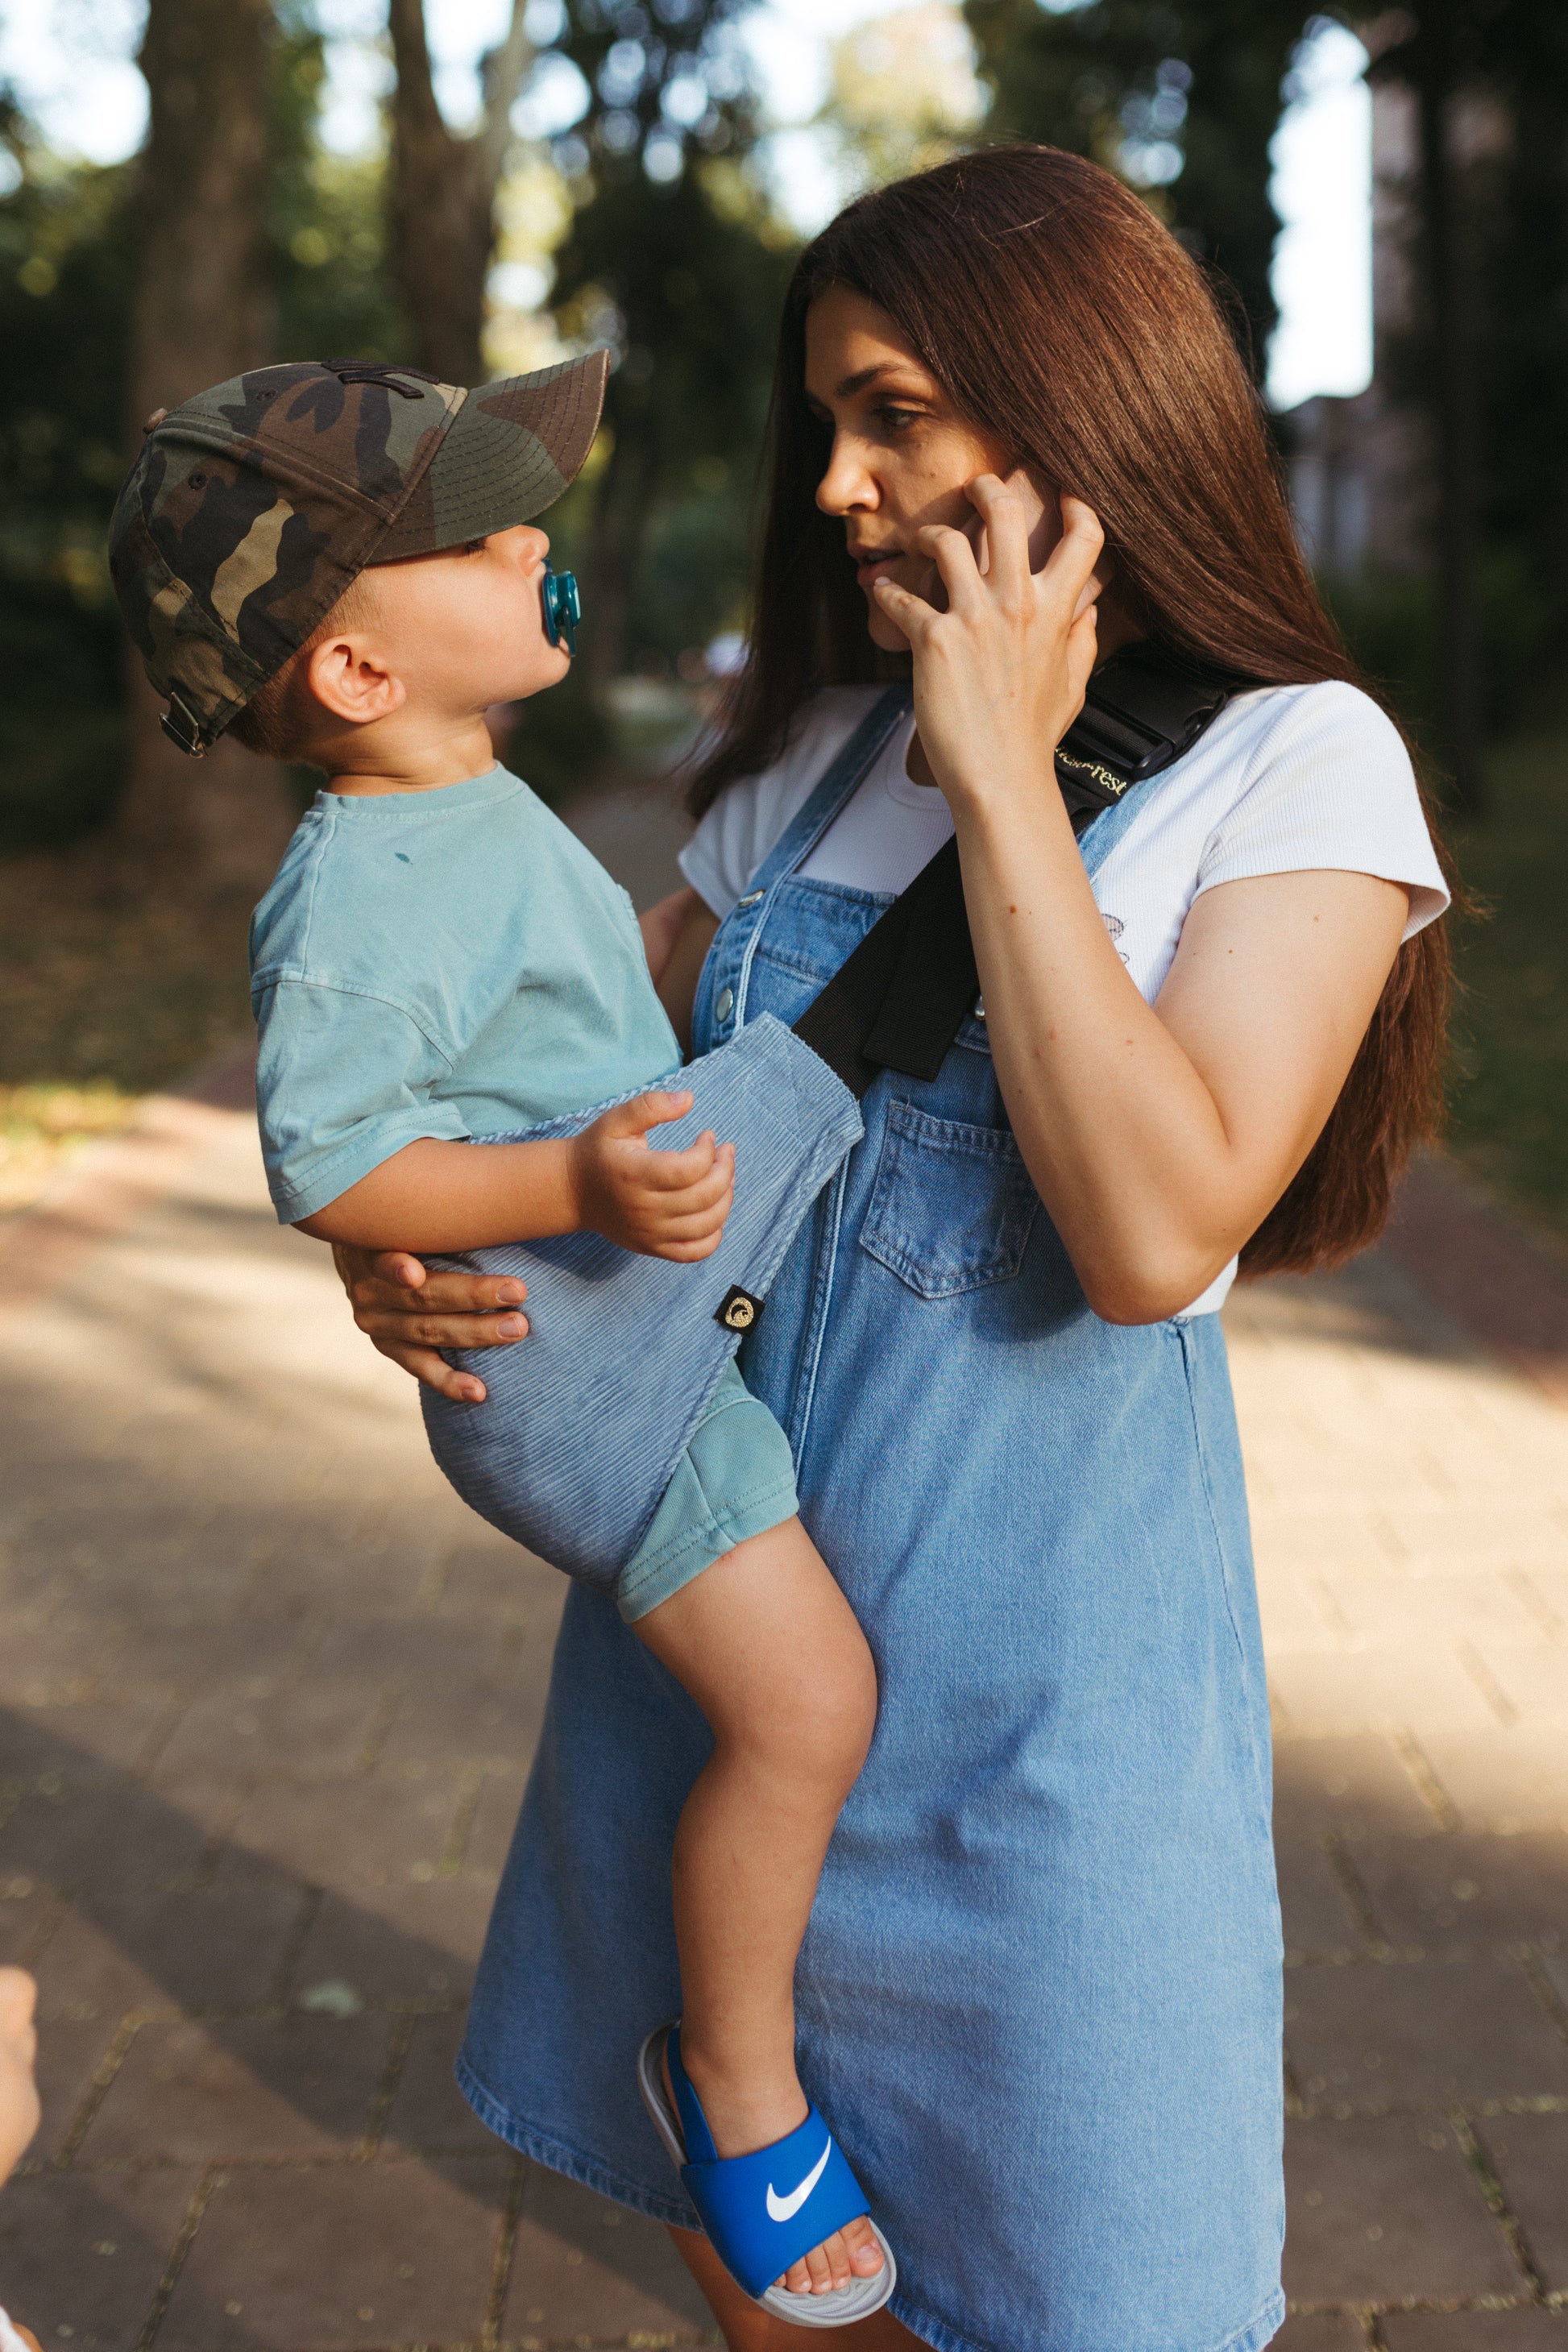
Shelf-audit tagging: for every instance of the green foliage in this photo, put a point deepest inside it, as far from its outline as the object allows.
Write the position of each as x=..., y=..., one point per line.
x=66, y=265
x=1128, y=80
x=335, y=292
x=67, y=275
x=1510, y=1094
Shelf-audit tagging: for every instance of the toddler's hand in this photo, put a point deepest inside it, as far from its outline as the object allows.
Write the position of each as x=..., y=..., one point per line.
x=663, y=1203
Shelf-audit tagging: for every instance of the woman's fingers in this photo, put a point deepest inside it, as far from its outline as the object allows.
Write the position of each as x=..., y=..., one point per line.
x=954, y=557
x=1006, y=533
x=438, y=1294
x=1070, y=569
x=433, y=1371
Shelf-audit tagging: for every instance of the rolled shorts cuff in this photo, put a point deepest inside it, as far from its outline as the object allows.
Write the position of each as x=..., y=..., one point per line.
x=735, y=1479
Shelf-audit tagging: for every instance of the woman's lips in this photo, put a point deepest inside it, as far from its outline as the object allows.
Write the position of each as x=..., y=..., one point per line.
x=869, y=568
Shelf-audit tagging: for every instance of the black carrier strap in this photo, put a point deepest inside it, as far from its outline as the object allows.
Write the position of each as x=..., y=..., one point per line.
x=899, y=1001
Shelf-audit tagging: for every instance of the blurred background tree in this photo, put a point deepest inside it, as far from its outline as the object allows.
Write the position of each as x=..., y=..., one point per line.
x=1181, y=97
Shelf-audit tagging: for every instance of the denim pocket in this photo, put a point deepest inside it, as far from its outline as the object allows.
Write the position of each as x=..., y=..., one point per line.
x=953, y=1205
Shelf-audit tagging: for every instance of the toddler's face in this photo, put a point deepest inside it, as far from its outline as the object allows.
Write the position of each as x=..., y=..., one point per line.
x=18, y=2045
x=466, y=628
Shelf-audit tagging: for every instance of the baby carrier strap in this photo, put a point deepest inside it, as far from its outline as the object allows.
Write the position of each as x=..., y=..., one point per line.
x=899, y=1001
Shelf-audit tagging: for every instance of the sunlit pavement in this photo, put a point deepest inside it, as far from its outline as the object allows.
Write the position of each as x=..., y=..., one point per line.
x=267, y=1698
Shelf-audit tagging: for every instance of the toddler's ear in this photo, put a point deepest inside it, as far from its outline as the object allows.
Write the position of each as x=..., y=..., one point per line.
x=349, y=678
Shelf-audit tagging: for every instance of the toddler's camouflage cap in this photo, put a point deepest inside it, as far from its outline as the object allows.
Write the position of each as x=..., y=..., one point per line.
x=252, y=506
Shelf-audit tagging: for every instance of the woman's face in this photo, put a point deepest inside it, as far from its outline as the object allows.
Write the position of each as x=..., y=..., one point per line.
x=901, y=455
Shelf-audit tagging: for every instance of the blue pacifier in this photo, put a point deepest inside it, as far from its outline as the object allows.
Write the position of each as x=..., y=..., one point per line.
x=562, y=607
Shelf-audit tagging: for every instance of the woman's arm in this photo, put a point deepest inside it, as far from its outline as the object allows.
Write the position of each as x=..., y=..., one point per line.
x=678, y=933
x=1158, y=1137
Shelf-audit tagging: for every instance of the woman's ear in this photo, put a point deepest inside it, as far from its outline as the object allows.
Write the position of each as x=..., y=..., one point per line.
x=348, y=676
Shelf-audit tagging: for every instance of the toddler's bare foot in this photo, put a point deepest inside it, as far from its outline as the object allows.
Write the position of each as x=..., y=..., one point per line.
x=849, y=2254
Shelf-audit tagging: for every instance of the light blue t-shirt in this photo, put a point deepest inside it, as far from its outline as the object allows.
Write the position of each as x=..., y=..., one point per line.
x=447, y=964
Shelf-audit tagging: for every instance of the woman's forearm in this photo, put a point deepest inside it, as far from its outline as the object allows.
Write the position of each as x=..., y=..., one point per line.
x=1125, y=1141
x=433, y=1195
x=1159, y=1136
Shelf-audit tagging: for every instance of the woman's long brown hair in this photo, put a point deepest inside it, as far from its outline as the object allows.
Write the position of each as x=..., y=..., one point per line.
x=1065, y=322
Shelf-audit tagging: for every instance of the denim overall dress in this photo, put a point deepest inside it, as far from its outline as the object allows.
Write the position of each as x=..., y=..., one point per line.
x=1040, y=2001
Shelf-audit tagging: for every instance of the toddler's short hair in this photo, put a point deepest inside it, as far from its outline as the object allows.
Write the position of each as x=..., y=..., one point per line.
x=277, y=722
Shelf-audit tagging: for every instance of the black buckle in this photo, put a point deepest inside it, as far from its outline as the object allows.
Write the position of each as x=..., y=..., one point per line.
x=181, y=728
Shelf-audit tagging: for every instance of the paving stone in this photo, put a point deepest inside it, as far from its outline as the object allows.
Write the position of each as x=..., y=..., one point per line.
x=482, y=1719
x=71, y=2052
x=1421, y=2034
x=25, y=1914
x=312, y=1722
x=1464, y=1605
x=186, y=1659
x=582, y=2266
x=495, y=1818
x=403, y=1941
x=1534, y=1680
x=1511, y=1778
x=1530, y=2156
x=82, y=2254
x=428, y=2113
x=248, y=2088
x=486, y=1573
x=1320, y=2331
x=109, y=1836
x=1317, y=1915
x=77, y=1741
x=338, y=1832
x=1385, y=2208
x=1356, y=1783
x=213, y=1947
x=1422, y=1685
x=1525, y=2330
x=336, y=2257
x=1461, y=1893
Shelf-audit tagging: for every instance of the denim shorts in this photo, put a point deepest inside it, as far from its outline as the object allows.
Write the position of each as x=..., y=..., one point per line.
x=735, y=1479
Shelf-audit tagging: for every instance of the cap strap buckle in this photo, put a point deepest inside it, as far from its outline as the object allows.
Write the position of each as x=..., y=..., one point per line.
x=179, y=725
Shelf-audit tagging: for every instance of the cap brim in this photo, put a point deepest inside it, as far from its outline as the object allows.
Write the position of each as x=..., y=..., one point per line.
x=509, y=453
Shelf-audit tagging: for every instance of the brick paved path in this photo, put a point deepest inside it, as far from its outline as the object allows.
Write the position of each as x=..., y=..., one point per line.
x=267, y=1696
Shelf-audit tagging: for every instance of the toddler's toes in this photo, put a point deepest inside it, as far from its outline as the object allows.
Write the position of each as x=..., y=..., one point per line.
x=850, y=2252
x=865, y=2253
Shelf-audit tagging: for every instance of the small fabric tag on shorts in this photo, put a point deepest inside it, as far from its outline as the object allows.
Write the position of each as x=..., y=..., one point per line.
x=738, y=1310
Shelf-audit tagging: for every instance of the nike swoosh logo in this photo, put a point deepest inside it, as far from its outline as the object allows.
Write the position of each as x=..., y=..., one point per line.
x=784, y=2208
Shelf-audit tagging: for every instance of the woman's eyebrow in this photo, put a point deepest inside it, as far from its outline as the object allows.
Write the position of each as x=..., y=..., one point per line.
x=850, y=384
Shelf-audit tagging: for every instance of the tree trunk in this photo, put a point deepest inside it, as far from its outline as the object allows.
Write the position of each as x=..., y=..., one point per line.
x=442, y=195
x=1439, y=62
x=203, y=313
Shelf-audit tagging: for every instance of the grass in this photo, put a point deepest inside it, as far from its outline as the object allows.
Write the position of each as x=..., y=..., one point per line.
x=1509, y=1096
x=111, y=993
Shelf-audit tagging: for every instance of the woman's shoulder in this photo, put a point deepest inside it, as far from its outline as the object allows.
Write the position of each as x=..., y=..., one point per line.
x=750, y=815
x=1327, y=719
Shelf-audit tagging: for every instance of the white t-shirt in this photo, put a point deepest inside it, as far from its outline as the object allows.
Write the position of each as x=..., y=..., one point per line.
x=1287, y=779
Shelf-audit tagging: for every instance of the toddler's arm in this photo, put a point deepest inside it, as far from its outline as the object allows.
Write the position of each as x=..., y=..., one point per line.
x=435, y=1196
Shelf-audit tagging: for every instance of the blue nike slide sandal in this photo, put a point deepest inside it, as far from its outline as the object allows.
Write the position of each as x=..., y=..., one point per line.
x=765, y=2211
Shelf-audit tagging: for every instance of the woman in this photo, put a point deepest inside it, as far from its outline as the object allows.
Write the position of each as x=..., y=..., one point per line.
x=1040, y=1998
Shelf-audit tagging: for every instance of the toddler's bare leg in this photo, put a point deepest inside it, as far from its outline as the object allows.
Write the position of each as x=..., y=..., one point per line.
x=769, y=1648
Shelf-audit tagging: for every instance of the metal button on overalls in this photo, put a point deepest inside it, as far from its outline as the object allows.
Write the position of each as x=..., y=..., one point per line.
x=725, y=1004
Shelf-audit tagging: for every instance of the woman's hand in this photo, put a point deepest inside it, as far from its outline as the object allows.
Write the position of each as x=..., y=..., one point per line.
x=1000, y=676
x=408, y=1312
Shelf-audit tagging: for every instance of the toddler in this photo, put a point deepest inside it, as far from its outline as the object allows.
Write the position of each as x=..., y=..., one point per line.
x=336, y=562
